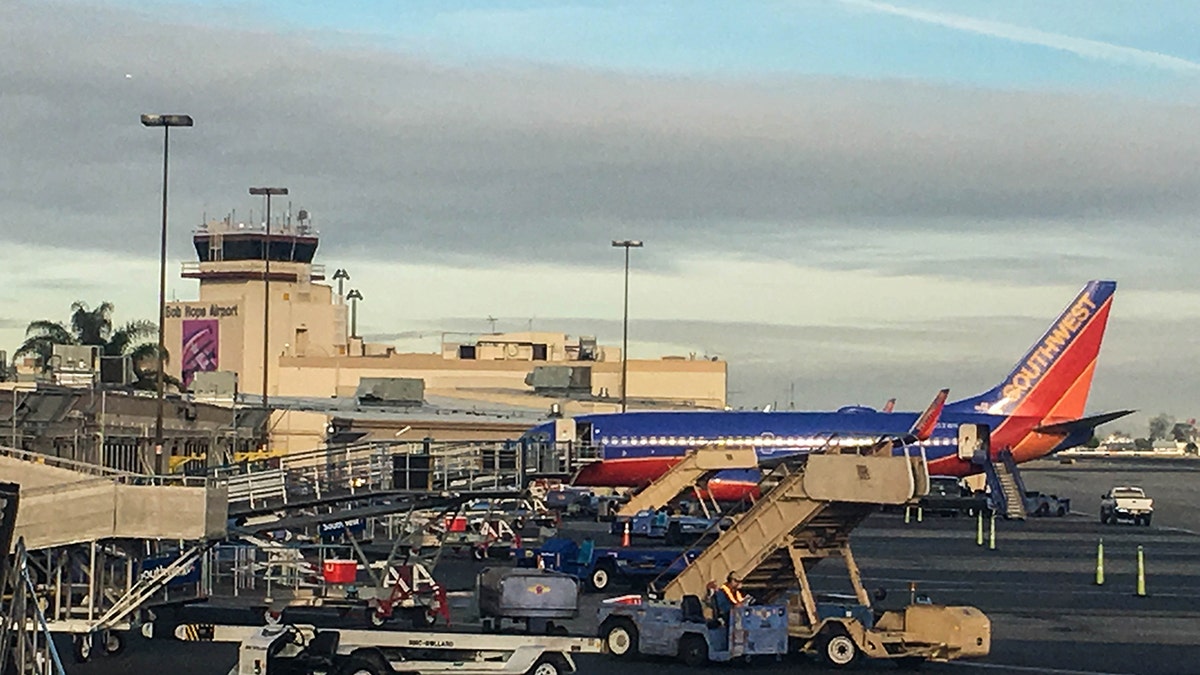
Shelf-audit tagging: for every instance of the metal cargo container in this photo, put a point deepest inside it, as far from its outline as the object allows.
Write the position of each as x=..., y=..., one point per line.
x=533, y=596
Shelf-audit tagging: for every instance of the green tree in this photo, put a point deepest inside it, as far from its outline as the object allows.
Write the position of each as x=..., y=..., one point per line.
x=94, y=326
x=1160, y=426
x=1183, y=432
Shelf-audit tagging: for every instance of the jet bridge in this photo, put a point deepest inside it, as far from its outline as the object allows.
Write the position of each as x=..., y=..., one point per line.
x=64, y=503
x=393, y=469
x=692, y=471
x=98, y=544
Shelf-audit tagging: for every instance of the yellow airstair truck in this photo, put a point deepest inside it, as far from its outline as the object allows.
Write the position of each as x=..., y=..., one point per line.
x=808, y=509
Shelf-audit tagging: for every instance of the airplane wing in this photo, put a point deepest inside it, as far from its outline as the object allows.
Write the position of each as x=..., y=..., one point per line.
x=1081, y=424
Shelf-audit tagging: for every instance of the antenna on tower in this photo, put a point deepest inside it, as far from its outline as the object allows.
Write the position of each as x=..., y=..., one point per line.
x=492, y=320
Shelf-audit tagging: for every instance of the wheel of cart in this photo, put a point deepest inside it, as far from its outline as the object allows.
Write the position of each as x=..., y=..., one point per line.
x=421, y=617
x=375, y=619
x=365, y=662
x=550, y=664
x=620, y=637
x=112, y=642
x=837, y=648
x=81, y=647
x=602, y=576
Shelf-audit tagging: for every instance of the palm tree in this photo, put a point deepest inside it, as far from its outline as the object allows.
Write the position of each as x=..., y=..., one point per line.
x=95, y=327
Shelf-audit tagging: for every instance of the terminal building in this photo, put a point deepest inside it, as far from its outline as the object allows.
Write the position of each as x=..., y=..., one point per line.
x=265, y=307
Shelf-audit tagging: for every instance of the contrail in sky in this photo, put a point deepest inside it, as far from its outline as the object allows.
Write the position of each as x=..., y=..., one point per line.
x=1092, y=49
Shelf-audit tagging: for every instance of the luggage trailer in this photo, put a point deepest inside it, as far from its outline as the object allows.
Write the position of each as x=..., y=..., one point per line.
x=297, y=649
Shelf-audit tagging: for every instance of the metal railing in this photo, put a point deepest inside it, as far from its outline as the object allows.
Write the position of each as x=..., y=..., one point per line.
x=408, y=467
x=96, y=472
x=195, y=267
x=26, y=647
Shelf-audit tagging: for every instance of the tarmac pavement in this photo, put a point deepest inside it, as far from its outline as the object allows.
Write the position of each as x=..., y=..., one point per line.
x=1037, y=586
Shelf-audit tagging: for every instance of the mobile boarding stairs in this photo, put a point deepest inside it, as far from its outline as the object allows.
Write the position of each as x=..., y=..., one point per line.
x=806, y=514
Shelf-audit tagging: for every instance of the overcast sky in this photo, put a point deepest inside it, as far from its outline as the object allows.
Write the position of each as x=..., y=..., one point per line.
x=854, y=199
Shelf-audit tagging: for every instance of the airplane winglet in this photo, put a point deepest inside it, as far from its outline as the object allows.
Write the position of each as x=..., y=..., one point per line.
x=890, y=405
x=923, y=428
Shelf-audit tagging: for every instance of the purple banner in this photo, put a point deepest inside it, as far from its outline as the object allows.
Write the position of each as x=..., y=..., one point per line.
x=200, y=341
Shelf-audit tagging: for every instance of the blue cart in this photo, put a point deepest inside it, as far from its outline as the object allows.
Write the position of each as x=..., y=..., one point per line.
x=676, y=530
x=600, y=568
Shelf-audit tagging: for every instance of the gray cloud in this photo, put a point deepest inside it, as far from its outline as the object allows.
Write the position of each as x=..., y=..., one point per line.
x=829, y=366
x=398, y=156
x=73, y=285
x=405, y=160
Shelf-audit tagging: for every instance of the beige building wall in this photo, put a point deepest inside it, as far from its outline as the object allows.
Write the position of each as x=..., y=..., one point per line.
x=297, y=430
x=304, y=320
x=681, y=381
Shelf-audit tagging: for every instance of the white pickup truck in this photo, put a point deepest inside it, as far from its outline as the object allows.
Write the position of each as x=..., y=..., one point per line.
x=1126, y=503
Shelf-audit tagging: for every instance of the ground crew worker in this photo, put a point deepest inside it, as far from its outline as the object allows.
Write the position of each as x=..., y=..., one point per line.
x=729, y=596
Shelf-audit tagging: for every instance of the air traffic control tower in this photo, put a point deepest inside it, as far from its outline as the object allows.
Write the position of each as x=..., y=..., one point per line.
x=224, y=329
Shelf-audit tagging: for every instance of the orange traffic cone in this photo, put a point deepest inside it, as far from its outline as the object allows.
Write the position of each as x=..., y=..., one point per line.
x=541, y=563
x=625, y=537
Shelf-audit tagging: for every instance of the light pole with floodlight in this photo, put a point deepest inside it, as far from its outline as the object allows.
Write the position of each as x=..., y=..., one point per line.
x=166, y=122
x=625, y=244
x=268, y=192
x=341, y=276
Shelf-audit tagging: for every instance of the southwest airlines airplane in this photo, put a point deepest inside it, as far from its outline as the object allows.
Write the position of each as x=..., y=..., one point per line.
x=1036, y=409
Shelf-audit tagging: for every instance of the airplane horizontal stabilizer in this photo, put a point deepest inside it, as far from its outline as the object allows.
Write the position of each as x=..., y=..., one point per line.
x=1081, y=424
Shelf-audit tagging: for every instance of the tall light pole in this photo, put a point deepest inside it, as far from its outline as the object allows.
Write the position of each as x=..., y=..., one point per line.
x=166, y=122
x=354, y=296
x=268, y=192
x=625, y=244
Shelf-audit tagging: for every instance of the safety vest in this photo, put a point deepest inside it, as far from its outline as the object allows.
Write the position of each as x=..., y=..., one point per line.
x=736, y=597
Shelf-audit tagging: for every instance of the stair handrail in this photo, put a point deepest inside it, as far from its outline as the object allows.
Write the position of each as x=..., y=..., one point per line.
x=18, y=588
